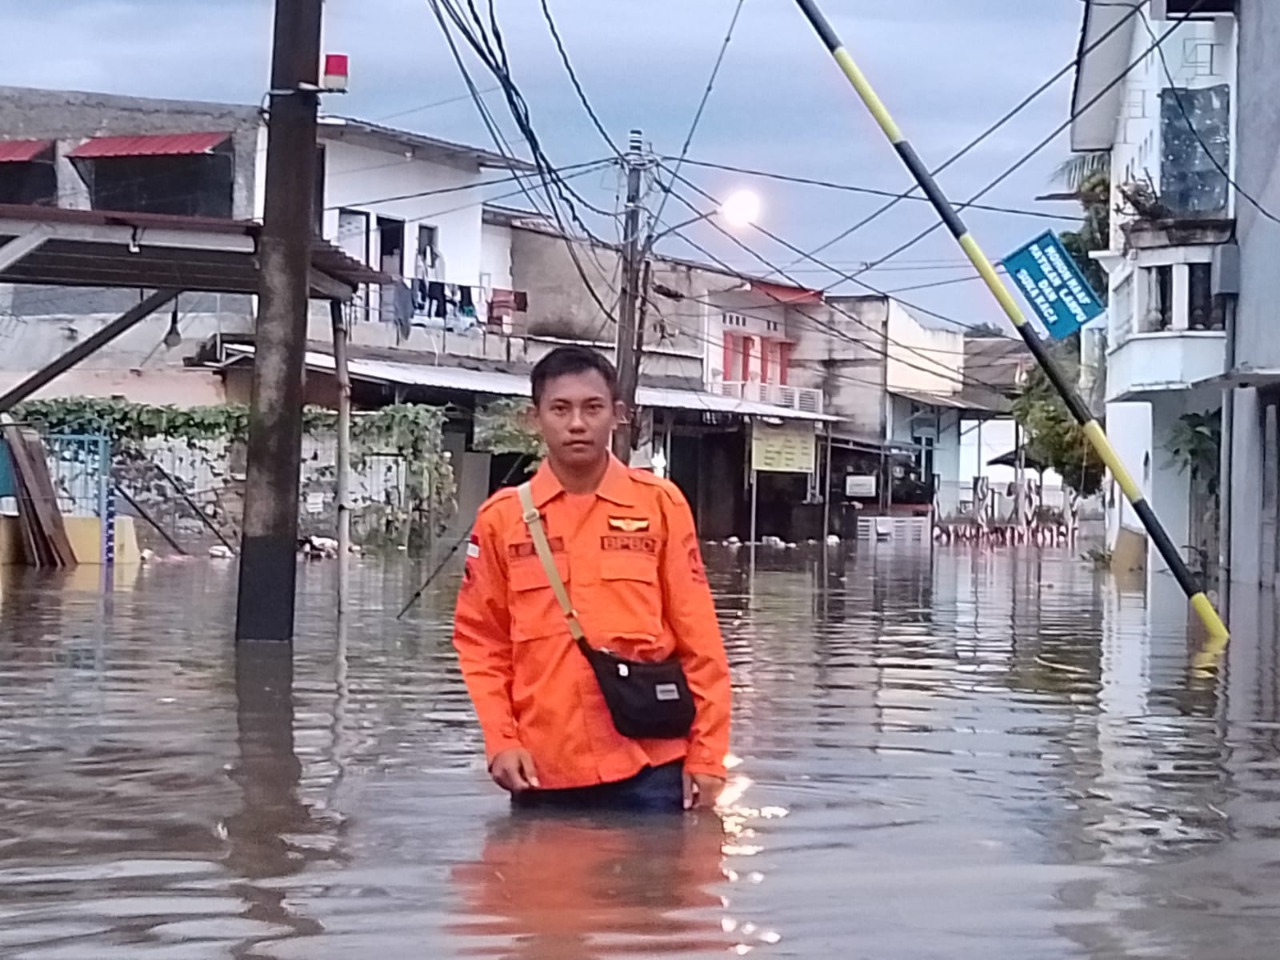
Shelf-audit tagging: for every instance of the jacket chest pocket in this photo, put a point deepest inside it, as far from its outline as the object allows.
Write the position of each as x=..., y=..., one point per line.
x=535, y=612
x=633, y=591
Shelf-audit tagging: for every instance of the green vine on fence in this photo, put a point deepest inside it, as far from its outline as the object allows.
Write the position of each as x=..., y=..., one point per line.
x=503, y=427
x=121, y=421
x=410, y=433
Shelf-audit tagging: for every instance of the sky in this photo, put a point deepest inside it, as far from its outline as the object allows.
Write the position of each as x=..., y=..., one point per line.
x=947, y=69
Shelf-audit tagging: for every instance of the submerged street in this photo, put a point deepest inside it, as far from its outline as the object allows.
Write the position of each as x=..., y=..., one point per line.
x=971, y=754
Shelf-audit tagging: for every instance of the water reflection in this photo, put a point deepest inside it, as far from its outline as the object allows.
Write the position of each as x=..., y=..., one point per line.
x=951, y=753
x=549, y=887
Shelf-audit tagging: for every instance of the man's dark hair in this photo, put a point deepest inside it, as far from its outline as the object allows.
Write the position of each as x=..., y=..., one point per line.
x=564, y=361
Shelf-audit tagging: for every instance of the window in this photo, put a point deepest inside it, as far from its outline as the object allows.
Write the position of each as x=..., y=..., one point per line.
x=29, y=183
x=734, y=320
x=391, y=237
x=428, y=254
x=196, y=186
x=1206, y=312
x=1195, y=150
x=1161, y=313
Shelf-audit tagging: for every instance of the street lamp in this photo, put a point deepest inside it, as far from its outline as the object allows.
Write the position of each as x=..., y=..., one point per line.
x=741, y=209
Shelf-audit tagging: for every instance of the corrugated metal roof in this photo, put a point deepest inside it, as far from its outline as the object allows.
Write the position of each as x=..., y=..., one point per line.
x=163, y=145
x=964, y=400
x=512, y=385
x=22, y=151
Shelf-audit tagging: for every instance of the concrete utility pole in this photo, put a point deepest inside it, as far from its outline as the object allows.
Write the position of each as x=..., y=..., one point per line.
x=268, y=553
x=633, y=249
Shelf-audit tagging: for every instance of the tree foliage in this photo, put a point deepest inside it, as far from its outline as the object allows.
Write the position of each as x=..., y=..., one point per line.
x=503, y=427
x=980, y=330
x=1195, y=445
x=1053, y=436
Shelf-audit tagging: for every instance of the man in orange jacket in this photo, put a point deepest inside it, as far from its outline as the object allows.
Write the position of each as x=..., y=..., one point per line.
x=623, y=543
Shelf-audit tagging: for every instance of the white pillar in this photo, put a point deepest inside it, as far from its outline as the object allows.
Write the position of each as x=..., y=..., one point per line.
x=1170, y=491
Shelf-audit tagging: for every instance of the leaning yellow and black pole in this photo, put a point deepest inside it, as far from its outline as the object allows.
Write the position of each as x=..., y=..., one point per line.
x=1217, y=631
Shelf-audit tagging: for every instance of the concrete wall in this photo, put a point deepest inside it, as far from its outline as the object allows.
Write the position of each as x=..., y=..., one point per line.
x=44, y=321
x=1200, y=55
x=1258, y=318
x=495, y=256
x=922, y=358
x=358, y=177
x=1258, y=171
x=849, y=369
x=70, y=118
x=561, y=307
x=1129, y=429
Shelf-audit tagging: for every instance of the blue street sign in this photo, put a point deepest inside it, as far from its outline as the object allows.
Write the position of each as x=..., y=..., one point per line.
x=1053, y=285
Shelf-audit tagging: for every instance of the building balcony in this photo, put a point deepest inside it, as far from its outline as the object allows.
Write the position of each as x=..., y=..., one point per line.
x=1148, y=364
x=803, y=399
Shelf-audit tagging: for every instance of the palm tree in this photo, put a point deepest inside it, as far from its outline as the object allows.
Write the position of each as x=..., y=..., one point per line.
x=1078, y=170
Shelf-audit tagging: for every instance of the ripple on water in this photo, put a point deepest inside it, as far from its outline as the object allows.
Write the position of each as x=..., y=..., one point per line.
x=938, y=754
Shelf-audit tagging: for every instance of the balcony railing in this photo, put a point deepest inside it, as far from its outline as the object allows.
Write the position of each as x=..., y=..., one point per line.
x=803, y=399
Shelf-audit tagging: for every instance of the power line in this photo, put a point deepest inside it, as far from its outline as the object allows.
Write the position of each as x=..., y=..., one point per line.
x=1026, y=158
x=432, y=106
x=938, y=371
x=1191, y=126
x=869, y=191
x=480, y=44
x=573, y=78
x=989, y=132
x=702, y=107
x=782, y=272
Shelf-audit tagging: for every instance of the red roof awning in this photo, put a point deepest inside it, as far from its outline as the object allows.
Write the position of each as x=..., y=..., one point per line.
x=165, y=145
x=786, y=294
x=22, y=151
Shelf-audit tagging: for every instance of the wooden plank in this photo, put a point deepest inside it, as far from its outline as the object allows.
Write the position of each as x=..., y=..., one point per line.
x=55, y=529
x=51, y=546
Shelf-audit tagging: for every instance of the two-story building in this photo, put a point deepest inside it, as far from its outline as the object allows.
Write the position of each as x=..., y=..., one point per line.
x=1165, y=112
x=404, y=203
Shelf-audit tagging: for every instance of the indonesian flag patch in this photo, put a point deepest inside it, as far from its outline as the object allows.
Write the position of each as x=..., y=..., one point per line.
x=473, y=548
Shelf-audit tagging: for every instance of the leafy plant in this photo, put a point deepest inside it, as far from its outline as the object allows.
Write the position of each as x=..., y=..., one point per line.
x=1053, y=436
x=410, y=435
x=502, y=427
x=1195, y=446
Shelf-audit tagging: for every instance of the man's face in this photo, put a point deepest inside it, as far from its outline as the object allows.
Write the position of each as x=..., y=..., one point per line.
x=576, y=417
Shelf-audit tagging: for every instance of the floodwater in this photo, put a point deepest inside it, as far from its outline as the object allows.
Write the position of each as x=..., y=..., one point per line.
x=969, y=755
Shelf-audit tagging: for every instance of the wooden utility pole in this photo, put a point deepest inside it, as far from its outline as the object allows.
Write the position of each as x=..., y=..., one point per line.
x=269, y=548
x=633, y=250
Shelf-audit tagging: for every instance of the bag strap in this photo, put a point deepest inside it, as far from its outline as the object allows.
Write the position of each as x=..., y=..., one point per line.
x=533, y=520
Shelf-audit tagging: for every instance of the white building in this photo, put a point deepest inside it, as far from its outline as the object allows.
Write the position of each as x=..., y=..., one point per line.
x=1169, y=127
x=404, y=203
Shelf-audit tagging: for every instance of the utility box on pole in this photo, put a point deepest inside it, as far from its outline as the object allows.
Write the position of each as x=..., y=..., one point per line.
x=269, y=545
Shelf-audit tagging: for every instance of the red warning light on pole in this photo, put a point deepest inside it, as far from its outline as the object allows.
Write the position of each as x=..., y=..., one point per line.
x=337, y=72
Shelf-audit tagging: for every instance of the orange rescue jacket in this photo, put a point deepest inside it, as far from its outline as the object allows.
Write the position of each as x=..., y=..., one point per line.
x=629, y=557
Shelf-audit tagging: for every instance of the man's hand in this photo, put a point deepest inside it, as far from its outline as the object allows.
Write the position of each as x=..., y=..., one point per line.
x=701, y=790
x=513, y=771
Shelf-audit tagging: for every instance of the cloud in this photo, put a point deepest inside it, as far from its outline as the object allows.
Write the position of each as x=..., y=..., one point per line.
x=947, y=68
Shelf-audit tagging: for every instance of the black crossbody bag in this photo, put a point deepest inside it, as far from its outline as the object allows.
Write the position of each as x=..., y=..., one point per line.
x=647, y=701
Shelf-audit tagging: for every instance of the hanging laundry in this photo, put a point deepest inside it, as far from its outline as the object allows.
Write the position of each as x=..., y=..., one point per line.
x=435, y=300
x=402, y=309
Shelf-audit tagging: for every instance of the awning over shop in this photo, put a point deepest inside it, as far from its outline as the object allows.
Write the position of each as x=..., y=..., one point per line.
x=968, y=400
x=22, y=151
x=165, y=145
x=494, y=383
